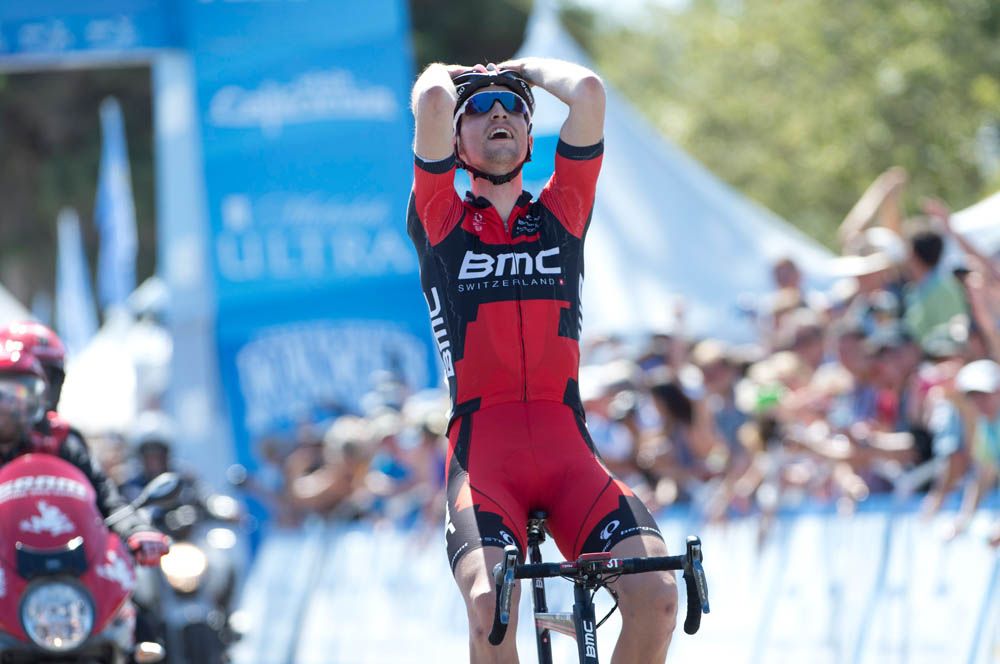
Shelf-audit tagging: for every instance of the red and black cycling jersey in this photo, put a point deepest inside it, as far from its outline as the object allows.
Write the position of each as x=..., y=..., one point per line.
x=504, y=295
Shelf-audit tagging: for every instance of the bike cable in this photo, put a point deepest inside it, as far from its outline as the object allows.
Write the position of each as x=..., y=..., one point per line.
x=613, y=608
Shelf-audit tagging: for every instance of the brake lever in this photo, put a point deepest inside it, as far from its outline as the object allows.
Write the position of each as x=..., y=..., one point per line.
x=701, y=581
x=503, y=577
x=697, y=585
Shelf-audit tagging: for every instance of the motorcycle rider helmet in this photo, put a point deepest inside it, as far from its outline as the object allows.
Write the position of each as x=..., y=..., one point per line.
x=48, y=349
x=467, y=85
x=22, y=385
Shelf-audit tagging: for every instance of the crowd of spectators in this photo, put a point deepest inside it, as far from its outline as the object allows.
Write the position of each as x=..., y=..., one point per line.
x=883, y=380
x=386, y=462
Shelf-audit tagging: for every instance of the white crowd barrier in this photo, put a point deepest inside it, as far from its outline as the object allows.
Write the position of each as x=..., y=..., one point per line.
x=879, y=586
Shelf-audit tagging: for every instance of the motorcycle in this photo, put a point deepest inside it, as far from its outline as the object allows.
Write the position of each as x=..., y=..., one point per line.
x=194, y=593
x=66, y=580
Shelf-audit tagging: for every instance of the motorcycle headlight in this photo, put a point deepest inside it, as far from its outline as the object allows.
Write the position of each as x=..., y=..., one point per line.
x=184, y=566
x=57, y=616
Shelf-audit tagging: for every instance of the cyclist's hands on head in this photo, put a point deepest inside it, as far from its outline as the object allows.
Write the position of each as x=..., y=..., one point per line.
x=576, y=86
x=517, y=65
x=458, y=70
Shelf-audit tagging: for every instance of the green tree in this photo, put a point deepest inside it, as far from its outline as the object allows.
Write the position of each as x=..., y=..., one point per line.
x=799, y=104
x=802, y=104
x=467, y=32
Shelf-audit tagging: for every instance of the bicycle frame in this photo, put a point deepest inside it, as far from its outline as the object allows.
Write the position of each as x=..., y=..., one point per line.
x=544, y=621
x=581, y=621
x=588, y=573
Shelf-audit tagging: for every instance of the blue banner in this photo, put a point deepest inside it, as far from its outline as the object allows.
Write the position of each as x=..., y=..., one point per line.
x=306, y=132
x=284, y=235
x=55, y=27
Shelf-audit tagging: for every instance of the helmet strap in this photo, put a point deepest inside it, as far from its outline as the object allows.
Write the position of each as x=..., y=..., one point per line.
x=495, y=179
x=489, y=177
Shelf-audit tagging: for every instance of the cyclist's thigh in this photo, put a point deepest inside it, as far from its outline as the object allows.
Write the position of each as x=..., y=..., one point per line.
x=590, y=510
x=485, y=507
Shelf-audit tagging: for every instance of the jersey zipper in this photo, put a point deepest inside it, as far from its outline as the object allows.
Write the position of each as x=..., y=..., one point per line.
x=520, y=314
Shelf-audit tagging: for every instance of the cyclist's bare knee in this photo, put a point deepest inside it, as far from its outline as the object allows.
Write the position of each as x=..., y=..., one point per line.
x=651, y=598
x=474, y=576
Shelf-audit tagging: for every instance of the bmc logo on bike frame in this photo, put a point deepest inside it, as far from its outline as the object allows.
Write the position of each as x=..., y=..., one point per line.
x=589, y=640
x=478, y=266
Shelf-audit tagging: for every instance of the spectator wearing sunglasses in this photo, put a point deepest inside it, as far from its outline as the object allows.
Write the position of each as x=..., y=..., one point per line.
x=501, y=272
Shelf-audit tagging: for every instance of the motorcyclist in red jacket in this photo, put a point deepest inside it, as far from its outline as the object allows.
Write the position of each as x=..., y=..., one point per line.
x=28, y=424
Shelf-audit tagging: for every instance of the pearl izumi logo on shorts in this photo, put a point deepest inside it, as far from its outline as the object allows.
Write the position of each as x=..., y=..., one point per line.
x=481, y=266
x=610, y=529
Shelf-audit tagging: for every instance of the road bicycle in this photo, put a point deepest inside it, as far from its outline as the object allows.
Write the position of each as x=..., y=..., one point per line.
x=589, y=573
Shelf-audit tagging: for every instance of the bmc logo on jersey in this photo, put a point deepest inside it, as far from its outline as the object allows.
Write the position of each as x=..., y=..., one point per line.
x=479, y=266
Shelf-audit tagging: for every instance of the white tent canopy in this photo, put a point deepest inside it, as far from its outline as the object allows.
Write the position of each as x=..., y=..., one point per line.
x=663, y=228
x=980, y=223
x=122, y=371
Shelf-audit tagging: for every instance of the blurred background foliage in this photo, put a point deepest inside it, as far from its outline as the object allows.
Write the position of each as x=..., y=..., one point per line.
x=800, y=105
x=50, y=149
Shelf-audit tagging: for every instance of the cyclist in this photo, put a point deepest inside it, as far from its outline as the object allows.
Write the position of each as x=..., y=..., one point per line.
x=42, y=430
x=502, y=273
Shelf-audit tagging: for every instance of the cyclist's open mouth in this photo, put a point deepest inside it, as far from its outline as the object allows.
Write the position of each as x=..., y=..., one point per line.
x=500, y=133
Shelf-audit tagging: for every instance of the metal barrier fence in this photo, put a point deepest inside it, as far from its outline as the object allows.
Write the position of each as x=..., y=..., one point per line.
x=878, y=586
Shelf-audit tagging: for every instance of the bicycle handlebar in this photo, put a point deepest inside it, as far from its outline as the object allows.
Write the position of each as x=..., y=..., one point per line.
x=599, y=566
x=596, y=567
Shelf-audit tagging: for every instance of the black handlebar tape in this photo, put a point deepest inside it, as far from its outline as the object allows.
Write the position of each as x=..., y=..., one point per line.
x=658, y=564
x=693, y=620
x=539, y=570
x=627, y=565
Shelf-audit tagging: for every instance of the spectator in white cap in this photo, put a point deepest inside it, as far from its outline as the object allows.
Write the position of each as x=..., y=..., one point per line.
x=979, y=382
